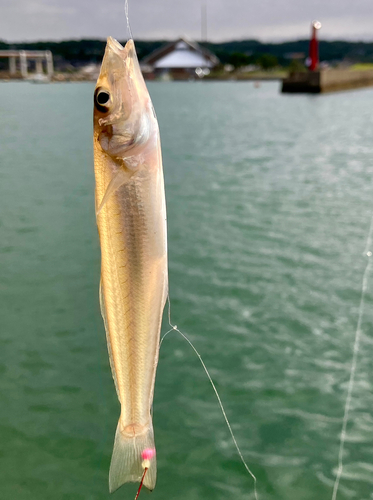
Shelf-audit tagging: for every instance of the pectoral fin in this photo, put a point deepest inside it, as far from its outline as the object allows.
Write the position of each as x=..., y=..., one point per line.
x=120, y=178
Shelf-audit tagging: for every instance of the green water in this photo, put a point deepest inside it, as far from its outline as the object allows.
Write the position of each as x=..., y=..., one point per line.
x=269, y=200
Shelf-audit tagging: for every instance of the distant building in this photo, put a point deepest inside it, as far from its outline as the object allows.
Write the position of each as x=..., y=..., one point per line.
x=179, y=60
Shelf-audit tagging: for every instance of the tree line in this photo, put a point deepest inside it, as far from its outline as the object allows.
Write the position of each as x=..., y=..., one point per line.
x=237, y=53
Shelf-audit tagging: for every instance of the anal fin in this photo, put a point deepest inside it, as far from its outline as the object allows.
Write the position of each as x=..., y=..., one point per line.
x=104, y=317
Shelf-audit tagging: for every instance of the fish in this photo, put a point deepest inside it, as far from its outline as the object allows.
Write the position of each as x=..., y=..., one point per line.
x=131, y=220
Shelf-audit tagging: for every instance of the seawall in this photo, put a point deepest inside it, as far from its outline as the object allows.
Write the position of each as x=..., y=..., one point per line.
x=329, y=80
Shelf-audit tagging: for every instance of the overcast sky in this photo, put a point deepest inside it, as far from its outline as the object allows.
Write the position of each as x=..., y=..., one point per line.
x=267, y=20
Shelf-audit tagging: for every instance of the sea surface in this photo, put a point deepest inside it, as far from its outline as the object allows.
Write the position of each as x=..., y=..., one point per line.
x=269, y=201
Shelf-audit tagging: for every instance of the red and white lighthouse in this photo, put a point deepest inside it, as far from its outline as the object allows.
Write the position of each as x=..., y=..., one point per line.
x=314, y=47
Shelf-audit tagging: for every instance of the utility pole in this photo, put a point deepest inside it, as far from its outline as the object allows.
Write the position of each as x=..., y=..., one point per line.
x=203, y=23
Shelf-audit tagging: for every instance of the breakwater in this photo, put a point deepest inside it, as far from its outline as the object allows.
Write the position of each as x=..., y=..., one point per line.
x=329, y=80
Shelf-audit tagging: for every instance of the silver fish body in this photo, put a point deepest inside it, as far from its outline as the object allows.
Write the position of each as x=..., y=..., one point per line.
x=131, y=219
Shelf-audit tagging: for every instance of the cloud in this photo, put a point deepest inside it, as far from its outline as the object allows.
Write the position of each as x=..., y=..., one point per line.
x=35, y=7
x=227, y=19
x=332, y=29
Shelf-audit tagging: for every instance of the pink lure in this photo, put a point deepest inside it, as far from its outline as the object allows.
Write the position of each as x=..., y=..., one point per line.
x=148, y=454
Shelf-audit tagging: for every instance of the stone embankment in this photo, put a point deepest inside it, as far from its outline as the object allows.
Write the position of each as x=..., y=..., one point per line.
x=329, y=80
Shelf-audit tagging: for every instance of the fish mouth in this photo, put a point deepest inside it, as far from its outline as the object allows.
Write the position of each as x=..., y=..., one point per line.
x=113, y=45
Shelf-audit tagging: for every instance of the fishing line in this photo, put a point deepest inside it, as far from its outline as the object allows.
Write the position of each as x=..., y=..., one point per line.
x=174, y=327
x=356, y=347
x=128, y=20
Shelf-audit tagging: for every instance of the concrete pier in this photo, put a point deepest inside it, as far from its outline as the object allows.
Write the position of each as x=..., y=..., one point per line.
x=23, y=61
x=49, y=59
x=328, y=80
x=39, y=56
x=12, y=65
x=39, y=66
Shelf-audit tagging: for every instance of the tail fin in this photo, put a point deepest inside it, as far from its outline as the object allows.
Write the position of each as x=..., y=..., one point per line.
x=130, y=457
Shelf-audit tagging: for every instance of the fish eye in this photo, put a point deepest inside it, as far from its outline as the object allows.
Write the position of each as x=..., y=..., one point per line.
x=102, y=100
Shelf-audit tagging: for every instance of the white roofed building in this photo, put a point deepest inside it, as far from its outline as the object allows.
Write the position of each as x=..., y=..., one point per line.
x=180, y=60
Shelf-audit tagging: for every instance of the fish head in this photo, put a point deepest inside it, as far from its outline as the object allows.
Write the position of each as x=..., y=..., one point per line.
x=124, y=118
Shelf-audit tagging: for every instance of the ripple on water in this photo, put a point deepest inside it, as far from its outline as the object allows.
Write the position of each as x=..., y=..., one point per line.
x=266, y=234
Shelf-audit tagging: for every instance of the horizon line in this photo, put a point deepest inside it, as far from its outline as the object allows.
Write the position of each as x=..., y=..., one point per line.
x=168, y=39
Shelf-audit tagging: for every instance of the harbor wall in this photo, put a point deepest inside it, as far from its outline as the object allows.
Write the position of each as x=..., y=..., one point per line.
x=329, y=80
